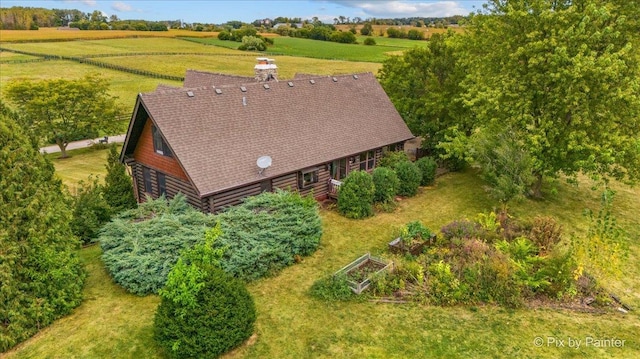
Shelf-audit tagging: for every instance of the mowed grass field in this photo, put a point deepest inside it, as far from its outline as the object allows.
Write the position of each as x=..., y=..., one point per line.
x=291, y=324
x=292, y=46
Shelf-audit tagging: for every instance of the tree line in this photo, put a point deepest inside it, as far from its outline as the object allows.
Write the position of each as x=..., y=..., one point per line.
x=28, y=18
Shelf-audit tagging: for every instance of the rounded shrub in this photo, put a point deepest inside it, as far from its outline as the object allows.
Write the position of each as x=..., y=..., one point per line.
x=90, y=211
x=392, y=158
x=427, y=166
x=369, y=41
x=410, y=178
x=386, y=184
x=355, y=197
x=219, y=318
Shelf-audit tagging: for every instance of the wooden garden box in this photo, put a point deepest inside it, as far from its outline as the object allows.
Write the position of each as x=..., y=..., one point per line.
x=360, y=271
x=398, y=246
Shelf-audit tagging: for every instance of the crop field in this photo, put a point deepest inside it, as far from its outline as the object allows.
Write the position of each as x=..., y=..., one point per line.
x=326, y=49
x=53, y=34
x=82, y=48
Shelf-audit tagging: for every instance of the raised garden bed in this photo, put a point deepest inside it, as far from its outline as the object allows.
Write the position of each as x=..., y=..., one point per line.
x=360, y=271
x=398, y=246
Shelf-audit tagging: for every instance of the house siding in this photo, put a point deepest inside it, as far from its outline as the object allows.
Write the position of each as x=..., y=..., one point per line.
x=289, y=182
x=146, y=154
x=174, y=186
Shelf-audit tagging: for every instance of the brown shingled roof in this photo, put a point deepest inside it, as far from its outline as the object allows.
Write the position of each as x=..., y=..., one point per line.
x=195, y=78
x=217, y=138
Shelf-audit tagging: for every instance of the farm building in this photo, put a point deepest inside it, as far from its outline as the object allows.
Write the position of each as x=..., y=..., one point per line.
x=224, y=138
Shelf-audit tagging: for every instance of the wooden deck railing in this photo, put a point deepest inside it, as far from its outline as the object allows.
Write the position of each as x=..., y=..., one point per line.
x=334, y=185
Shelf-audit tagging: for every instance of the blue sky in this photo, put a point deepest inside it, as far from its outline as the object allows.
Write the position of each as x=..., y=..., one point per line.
x=219, y=11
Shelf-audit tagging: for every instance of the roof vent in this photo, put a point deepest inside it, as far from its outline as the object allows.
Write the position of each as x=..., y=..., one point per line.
x=355, y=77
x=290, y=84
x=243, y=89
x=335, y=79
x=244, y=101
x=219, y=91
x=190, y=93
x=266, y=86
x=313, y=82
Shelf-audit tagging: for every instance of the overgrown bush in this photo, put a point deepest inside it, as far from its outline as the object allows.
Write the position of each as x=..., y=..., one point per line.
x=461, y=229
x=118, y=187
x=355, y=197
x=444, y=287
x=90, y=210
x=268, y=232
x=332, y=287
x=545, y=233
x=392, y=158
x=414, y=34
x=252, y=43
x=344, y=37
x=369, y=41
x=427, y=167
x=386, y=184
x=203, y=312
x=141, y=245
x=410, y=178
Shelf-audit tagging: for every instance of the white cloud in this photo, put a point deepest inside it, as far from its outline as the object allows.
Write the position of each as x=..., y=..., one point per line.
x=86, y=2
x=405, y=8
x=121, y=7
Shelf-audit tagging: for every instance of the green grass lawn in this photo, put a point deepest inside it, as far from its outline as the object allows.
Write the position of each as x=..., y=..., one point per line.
x=291, y=324
x=292, y=46
x=80, y=164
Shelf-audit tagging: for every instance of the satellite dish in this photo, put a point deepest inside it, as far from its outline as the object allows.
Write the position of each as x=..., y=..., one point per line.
x=263, y=163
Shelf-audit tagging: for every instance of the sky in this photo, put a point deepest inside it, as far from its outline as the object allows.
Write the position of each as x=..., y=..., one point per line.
x=221, y=11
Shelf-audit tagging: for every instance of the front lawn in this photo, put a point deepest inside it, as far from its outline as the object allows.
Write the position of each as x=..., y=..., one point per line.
x=292, y=324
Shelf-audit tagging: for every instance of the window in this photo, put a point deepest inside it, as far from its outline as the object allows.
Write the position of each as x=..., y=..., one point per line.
x=367, y=160
x=159, y=145
x=307, y=178
x=162, y=184
x=146, y=173
x=338, y=169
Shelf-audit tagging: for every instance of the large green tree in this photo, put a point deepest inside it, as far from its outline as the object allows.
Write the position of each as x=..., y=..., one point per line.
x=564, y=74
x=62, y=110
x=424, y=85
x=41, y=277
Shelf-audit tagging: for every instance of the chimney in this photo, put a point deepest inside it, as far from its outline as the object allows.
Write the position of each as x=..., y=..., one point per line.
x=266, y=70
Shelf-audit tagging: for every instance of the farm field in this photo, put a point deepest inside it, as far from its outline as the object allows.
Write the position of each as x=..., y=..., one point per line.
x=53, y=34
x=82, y=48
x=123, y=85
x=326, y=49
x=291, y=324
x=241, y=64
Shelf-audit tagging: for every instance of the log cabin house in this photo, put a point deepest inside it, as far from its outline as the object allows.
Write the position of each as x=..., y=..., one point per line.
x=204, y=140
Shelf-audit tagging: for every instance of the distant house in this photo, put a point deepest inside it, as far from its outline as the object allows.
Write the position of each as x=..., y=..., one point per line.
x=205, y=140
